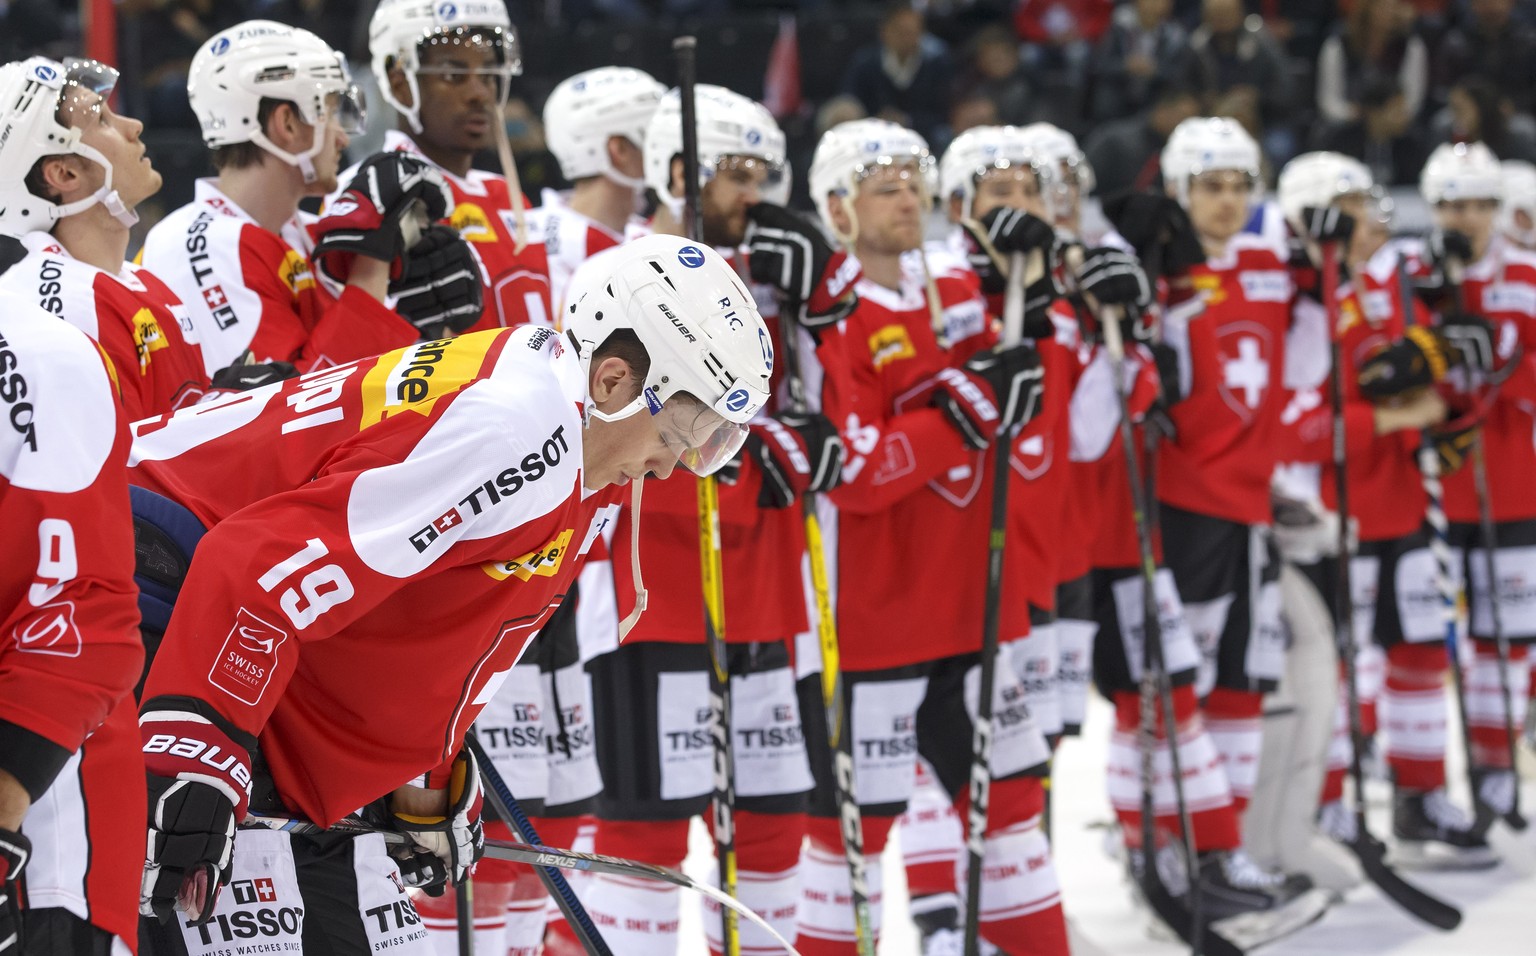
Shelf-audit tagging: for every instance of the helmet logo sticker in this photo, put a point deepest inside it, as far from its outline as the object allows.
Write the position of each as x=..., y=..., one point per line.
x=691, y=256
x=447, y=11
x=651, y=402
x=737, y=400
x=45, y=73
x=220, y=46
x=752, y=137
x=767, y=346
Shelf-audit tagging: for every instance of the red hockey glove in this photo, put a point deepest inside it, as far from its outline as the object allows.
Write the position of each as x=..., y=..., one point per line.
x=441, y=289
x=456, y=838
x=797, y=454
x=790, y=253
x=15, y=850
x=199, y=785
x=381, y=213
x=993, y=394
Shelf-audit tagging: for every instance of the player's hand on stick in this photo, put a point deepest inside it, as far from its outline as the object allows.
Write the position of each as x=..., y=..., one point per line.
x=1415, y=361
x=797, y=454
x=441, y=289
x=1421, y=410
x=451, y=830
x=994, y=393
x=1158, y=228
x=1114, y=277
x=990, y=245
x=790, y=253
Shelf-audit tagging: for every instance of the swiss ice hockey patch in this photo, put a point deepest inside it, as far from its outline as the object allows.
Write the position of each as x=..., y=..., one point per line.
x=248, y=658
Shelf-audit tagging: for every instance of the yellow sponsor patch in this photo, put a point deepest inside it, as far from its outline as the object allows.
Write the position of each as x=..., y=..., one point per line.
x=889, y=344
x=1209, y=288
x=1349, y=316
x=147, y=337
x=544, y=561
x=472, y=223
x=414, y=378
x=295, y=272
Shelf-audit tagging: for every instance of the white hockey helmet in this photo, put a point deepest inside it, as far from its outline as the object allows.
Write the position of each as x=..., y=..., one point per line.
x=1461, y=171
x=980, y=150
x=849, y=152
x=701, y=328
x=1317, y=179
x=1055, y=144
x=588, y=108
x=399, y=28
x=261, y=59
x=38, y=119
x=730, y=125
x=1204, y=143
x=1519, y=196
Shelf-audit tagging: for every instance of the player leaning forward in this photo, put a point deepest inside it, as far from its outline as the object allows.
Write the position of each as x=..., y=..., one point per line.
x=401, y=522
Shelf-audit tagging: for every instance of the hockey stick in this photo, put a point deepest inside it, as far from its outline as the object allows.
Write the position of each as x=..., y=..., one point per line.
x=505, y=804
x=464, y=915
x=1489, y=531
x=1187, y=922
x=839, y=737
x=1370, y=851
x=1020, y=273
x=537, y=855
x=685, y=51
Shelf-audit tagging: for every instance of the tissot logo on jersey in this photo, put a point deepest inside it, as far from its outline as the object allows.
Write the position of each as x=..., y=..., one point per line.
x=488, y=494
x=13, y=391
x=197, y=256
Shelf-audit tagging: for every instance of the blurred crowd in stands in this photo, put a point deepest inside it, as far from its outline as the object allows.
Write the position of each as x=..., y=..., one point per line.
x=1381, y=80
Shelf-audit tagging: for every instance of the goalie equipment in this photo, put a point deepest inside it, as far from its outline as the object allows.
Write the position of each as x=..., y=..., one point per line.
x=701, y=328
x=849, y=152
x=44, y=106
x=1205, y=144
x=1457, y=171
x=400, y=28
x=260, y=59
x=730, y=125
x=588, y=109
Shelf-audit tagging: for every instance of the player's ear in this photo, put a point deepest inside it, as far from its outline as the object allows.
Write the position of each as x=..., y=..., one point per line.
x=954, y=209
x=614, y=384
x=399, y=85
x=678, y=187
x=61, y=177
x=842, y=222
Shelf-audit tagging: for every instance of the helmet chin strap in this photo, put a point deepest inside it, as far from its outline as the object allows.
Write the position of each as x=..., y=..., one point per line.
x=106, y=195
x=304, y=162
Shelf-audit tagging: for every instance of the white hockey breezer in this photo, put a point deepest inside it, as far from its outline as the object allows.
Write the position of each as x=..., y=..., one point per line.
x=733, y=131
x=42, y=107
x=261, y=59
x=588, y=109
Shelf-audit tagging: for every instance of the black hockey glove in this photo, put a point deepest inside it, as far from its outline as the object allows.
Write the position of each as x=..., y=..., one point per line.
x=1417, y=360
x=245, y=375
x=456, y=838
x=992, y=394
x=1446, y=252
x=381, y=213
x=15, y=850
x=199, y=785
x=790, y=253
x=1114, y=277
x=797, y=454
x=1158, y=228
x=1471, y=338
x=441, y=289
x=1453, y=443
x=1327, y=224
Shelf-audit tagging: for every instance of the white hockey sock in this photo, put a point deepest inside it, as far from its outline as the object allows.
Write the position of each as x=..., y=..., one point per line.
x=825, y=918
x=1238, y=741
x=773, y=896
x=636, y=917
x=1205, y=785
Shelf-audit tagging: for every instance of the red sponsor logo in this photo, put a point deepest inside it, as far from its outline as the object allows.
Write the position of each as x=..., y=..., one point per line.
x=51, y=630
x=248, y=658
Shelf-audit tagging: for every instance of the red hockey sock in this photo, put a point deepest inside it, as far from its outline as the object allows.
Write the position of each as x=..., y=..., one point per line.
x=767, y=860
x=638, y=917
x=1485, y=702
x=1233, y=718
x=825, y=920
x=1413, y=711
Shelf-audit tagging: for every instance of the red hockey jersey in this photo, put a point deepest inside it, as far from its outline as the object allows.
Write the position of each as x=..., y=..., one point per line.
x=569, y=239
x=138, y=322
x=1231, y=343
x=518, y=289
x=248, y=288
x=69, y=640
x=422, y=507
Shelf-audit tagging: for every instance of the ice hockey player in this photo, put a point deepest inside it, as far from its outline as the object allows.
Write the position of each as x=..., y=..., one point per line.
x=447, y=70
x=71, y=813
x=919, y=397
x=275, y=105
x=1074, y=175
x=652, y=694
x=595, y=125
x=338, y=488
x=1214, y=482
x=1487, y=321
x=73, y=172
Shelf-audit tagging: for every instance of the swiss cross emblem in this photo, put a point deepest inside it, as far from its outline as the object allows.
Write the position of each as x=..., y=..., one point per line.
x=447, y=520
x=265, y=891
x=214, y=297
x=1244, y=350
